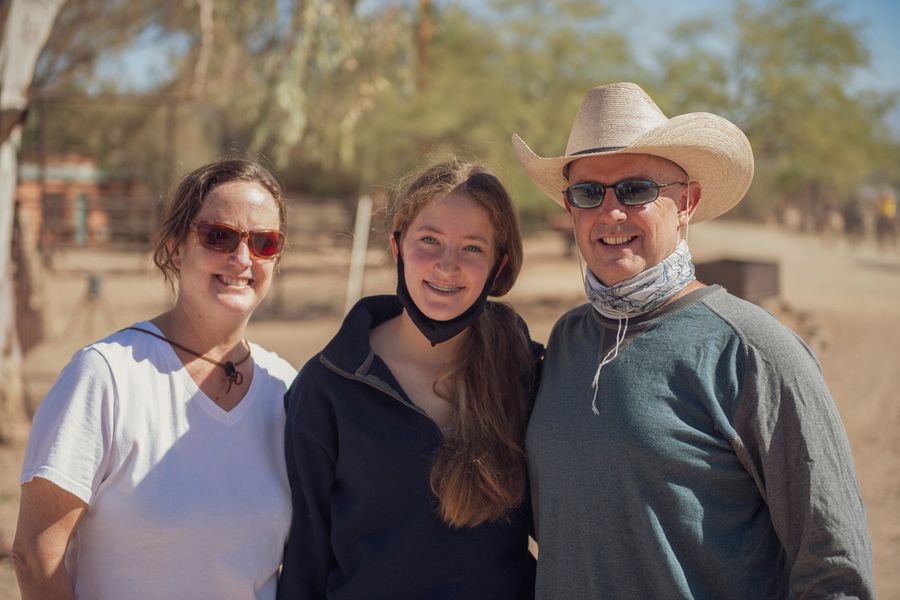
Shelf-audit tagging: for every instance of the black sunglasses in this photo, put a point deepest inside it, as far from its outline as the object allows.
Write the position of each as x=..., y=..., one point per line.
x=630, y=192
x=221, y=237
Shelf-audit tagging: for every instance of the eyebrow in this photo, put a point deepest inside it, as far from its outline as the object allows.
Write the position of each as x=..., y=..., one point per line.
x=430, y=229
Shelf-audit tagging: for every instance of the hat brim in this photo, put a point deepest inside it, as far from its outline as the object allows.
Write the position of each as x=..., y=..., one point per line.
x=711, y=149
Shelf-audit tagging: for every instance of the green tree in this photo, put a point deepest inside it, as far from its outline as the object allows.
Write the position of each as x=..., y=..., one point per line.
x=342, y=99
x=815, y=139
x=286, y=80
x=693, y=70
x=500, y=68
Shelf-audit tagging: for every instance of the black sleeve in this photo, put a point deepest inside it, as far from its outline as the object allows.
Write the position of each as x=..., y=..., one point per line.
x=534, y=382
x=310, y=449
x=537, y=354
x=526, y=592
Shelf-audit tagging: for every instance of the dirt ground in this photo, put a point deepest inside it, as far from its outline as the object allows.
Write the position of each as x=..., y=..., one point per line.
x=844, y=299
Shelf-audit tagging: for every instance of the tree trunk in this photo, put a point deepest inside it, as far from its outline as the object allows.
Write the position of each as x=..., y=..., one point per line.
x=424, y=33
x=12, y=412
x=24, y=27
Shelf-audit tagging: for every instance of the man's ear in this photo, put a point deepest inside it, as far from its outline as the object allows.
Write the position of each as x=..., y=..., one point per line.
x=690, y=200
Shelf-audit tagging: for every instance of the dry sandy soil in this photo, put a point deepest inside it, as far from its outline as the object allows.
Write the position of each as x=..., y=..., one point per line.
x=846, y=300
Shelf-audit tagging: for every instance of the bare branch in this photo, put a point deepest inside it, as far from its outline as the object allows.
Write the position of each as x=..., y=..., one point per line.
x=207, y=42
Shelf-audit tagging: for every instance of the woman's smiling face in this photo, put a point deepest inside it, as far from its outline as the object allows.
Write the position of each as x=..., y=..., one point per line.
x=228, y=284
x=448, y=251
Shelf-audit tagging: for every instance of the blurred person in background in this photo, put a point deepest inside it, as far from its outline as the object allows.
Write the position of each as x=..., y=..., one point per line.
x=155, y=466
x=683, y=443
x=405, y=434
x=886, y=221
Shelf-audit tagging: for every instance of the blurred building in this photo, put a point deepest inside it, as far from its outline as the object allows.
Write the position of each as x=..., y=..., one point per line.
x=72, y=202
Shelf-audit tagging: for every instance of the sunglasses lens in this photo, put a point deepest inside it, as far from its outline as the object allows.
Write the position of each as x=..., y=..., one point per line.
x=266, y=244
x=633, y=192
x=218, y=237
x=224, y=238
x=585, y=195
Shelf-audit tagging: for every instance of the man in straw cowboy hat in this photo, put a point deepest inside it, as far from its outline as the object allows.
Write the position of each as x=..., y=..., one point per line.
x=683, y=443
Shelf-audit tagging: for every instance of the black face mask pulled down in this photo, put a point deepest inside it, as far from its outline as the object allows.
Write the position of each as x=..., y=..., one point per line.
x=441, y=331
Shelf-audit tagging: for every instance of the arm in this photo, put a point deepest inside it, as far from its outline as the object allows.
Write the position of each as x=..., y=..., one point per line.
x=48, y=515
x=310, y=451
x=66, y=458
x=798, y=444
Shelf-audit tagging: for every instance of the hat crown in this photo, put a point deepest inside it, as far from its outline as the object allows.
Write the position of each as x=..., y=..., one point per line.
x=613, y=116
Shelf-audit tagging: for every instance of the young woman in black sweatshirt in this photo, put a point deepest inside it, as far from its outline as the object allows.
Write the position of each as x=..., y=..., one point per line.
x=405, y=434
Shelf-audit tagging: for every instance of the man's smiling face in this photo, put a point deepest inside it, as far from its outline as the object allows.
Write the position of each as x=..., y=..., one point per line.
x=618, y=241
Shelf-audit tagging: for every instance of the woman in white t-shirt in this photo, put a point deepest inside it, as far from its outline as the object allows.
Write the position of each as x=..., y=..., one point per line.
x=155, y=467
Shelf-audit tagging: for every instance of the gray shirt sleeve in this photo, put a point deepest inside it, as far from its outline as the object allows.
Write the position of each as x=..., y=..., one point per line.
x=793, y=443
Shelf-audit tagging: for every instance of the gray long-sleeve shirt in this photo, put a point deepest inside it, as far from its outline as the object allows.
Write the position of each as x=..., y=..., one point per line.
x=717, y=468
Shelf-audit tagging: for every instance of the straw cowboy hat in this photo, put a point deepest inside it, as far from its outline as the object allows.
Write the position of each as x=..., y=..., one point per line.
x=621, y=118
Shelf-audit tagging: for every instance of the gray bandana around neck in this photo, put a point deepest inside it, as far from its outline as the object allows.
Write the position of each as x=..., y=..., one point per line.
x=639, y=295
x=645, y=291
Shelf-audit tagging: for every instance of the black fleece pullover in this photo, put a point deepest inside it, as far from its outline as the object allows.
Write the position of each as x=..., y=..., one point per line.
x=365, y=522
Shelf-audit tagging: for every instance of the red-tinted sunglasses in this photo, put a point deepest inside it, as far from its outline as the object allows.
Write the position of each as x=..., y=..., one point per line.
x=221, y=237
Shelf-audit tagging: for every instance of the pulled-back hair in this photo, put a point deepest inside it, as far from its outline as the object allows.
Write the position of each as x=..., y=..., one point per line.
x=186, y=199
x=478, y=473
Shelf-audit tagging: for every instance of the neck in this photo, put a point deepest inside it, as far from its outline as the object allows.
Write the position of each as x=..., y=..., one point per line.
x=202, y=333
x=693, y=285
x=412, y=344
x=646, y=291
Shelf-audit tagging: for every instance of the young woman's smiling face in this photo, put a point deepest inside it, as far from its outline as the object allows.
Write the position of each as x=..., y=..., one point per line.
x=448, y=251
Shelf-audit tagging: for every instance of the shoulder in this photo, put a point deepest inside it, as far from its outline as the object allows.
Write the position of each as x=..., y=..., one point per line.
x=107, y=356
x=314, y=371
x=313, y=382
x=575, y=314
x=350, y=347
x=273, y=365
x=751, y=322
x=756, y=328
x=88, y=379
x=311, y=401
x=571, y=323
x=133, y=344
x=88, y=391
x=113, y=368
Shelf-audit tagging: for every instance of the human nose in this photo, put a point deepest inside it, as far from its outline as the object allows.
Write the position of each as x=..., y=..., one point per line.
x=610, y=210
x=447, y=261
x=242, y=253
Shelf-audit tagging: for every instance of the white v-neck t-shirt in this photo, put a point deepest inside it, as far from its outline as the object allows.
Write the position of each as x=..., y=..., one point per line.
x=185, y=499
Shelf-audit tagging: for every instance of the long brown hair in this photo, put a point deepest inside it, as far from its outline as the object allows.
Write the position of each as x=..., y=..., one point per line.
x=478, y=473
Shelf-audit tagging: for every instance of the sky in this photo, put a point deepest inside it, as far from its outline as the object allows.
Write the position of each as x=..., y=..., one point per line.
x=878, y=22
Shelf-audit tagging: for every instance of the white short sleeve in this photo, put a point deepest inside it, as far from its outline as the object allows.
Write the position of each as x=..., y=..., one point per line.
x=72, y=430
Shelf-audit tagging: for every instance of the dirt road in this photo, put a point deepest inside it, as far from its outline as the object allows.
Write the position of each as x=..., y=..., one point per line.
x=847, y=299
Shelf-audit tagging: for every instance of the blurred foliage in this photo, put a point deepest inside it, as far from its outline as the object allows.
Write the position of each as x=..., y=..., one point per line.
x=342, y=99
x=815, y=140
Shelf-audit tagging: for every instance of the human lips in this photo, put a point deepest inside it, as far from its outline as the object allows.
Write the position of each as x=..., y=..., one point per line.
x=443, y=288
x=617, y=240
x=234, y=281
